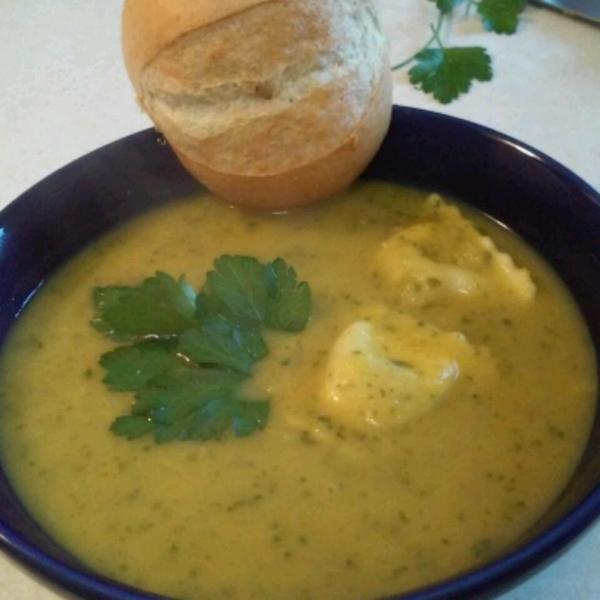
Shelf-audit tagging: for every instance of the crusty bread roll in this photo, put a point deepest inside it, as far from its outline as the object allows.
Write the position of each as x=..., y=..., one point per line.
x=269, y=103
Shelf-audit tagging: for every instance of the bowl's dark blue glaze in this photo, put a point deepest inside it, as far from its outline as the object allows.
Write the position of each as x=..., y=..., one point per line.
x=549, y=206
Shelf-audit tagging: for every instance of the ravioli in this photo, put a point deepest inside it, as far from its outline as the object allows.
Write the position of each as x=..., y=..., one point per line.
x=389, y=368
x=447, y=255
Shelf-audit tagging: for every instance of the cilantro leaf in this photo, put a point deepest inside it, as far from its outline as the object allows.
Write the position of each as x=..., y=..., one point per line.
x=289, y=302
x=161, y=306
x=239, y=283
x=448, y=72
x=219, y=342
x=131, y=368
x=501, y=16
x=446, y=6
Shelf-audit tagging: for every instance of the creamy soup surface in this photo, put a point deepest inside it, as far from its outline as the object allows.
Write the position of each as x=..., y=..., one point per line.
x=435, y=406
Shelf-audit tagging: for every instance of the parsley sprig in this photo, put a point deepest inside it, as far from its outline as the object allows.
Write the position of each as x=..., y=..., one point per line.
x=447, y=72
x=185, y=356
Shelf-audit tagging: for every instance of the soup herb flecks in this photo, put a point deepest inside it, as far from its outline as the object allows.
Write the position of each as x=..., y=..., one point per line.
x=434, y=407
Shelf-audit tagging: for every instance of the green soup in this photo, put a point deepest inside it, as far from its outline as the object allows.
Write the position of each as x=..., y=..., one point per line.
x=435, y=406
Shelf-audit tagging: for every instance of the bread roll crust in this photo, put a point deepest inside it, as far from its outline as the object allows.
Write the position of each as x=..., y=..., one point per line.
x=320, y=178
x=150, y=26
x=277, y=104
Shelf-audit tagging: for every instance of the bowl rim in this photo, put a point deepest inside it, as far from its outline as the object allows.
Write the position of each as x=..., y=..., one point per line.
x=487, y=579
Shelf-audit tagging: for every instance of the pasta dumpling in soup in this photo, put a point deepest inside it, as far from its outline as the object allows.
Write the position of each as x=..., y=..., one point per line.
x=446, y=255
x=390, y=367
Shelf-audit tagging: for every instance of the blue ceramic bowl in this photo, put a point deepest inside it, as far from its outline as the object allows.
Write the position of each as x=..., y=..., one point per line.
x=554, y=210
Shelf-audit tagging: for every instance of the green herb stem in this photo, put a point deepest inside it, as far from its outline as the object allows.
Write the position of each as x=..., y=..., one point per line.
x=447, y=72
x=434, y=37
x=468, y=7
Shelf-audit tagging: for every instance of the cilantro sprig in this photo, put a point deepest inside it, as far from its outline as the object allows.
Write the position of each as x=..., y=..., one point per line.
x=185, y=355
x=448, y=72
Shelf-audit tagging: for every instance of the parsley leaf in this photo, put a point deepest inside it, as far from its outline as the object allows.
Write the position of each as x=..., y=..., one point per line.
x=131, y=368
x=448, y=72
x=219, y=342
x=208, y=306
x=131, y=427
x=254, y=295
x=289, y=302
x=239, y=283
x=177, y=394
x=194, y=404
x=161, y=306
x=218, y=415
x=249, y=417
x=105, y=299
x=501, y=16
x=196, y=350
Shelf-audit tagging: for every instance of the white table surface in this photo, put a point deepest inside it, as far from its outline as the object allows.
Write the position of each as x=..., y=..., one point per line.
x=64, y=92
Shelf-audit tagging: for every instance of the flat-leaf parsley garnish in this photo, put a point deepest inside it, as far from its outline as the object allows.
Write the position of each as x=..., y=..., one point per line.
x=160, y=306
x=188, y=354
x=448, y=72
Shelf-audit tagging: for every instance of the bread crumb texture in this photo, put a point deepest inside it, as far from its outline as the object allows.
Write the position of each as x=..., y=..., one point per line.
x=269, y=88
